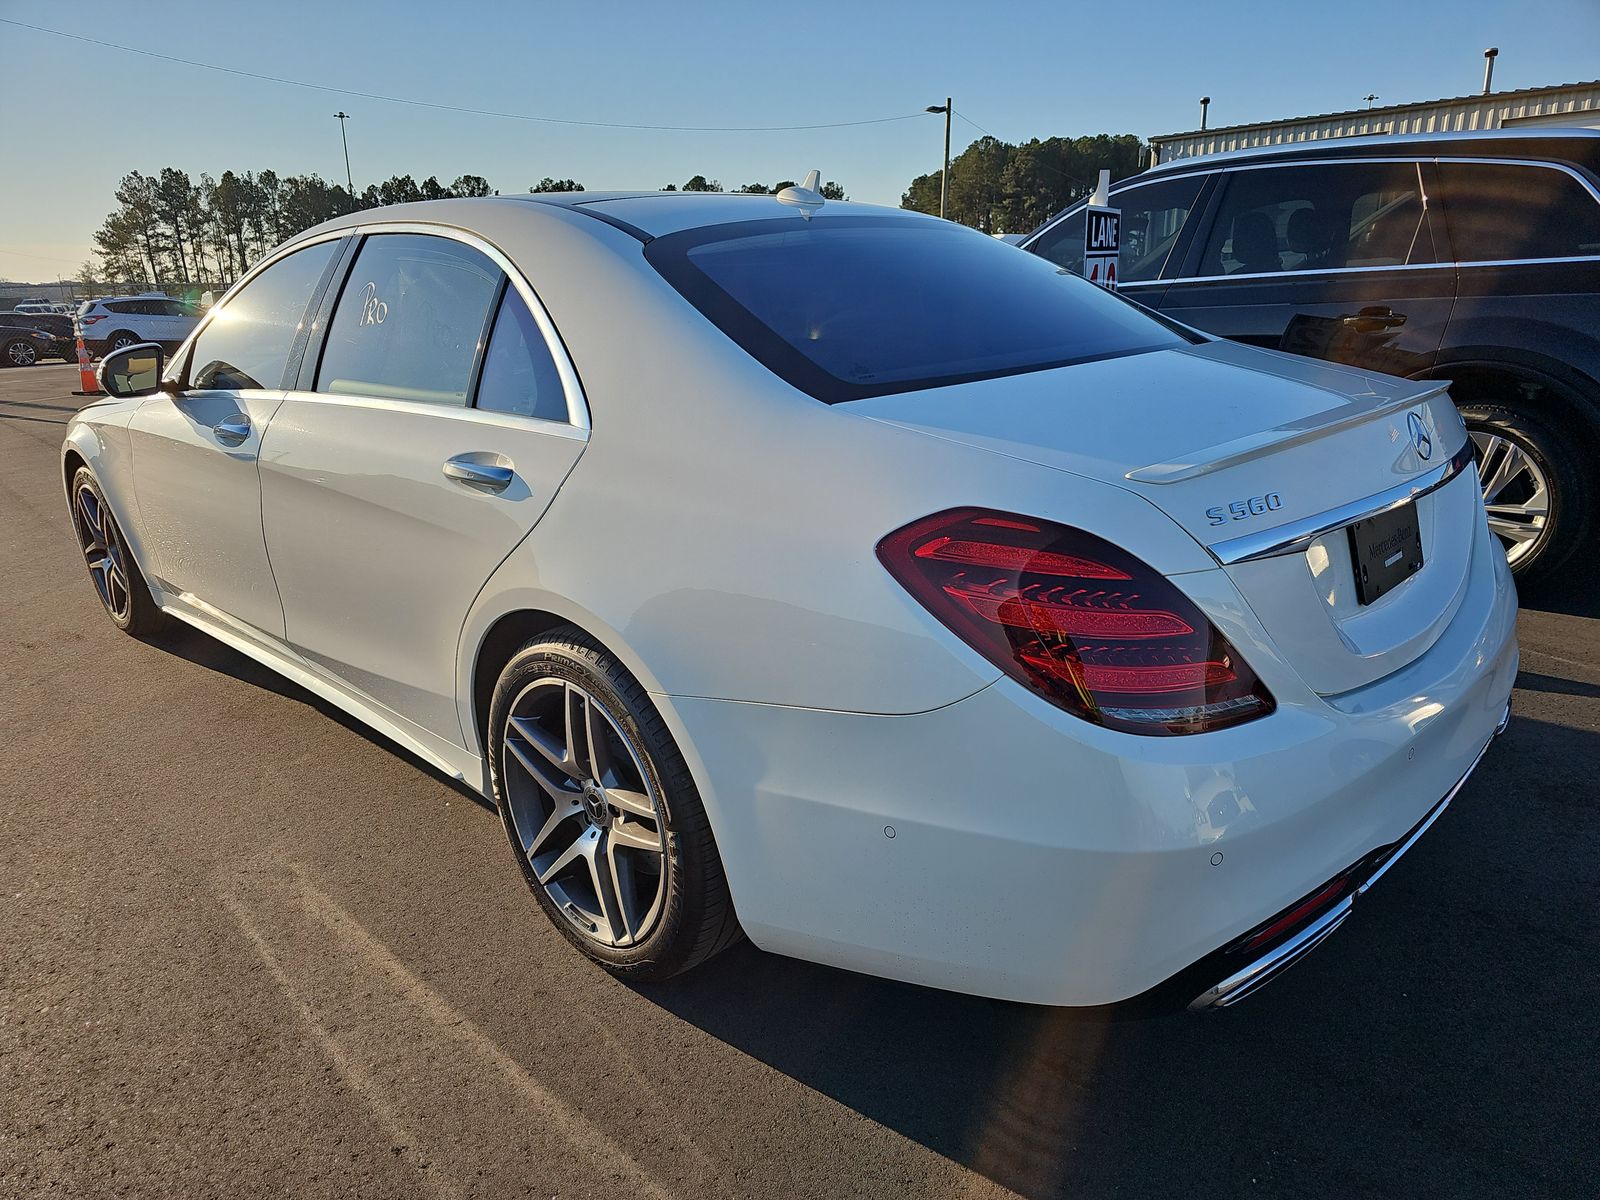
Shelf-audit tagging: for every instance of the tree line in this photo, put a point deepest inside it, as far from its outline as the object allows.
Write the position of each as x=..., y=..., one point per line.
x=1001, y=187
x=173, y=231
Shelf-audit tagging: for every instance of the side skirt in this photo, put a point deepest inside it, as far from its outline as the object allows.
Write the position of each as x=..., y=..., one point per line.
x=452, y=760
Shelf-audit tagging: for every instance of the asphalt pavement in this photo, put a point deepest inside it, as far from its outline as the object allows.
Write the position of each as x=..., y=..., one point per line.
x=248, y=949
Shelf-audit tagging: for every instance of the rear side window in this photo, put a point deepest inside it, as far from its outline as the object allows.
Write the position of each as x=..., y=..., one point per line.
x=519, y=375
x=410, y=321
x=1153, y=215
x=1498, y=212
x=849, y=307
x=1320, y=218
x=246, y=344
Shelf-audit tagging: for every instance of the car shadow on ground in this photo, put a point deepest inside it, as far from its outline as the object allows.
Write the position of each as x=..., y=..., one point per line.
x=1359, y=1072
x=188, y=643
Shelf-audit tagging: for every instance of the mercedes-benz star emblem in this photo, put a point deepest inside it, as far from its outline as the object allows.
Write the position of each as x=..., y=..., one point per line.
x=1419, y=437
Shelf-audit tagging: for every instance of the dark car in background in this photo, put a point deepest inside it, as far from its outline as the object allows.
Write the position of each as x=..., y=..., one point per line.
x=27, y=338
x=1468, y=257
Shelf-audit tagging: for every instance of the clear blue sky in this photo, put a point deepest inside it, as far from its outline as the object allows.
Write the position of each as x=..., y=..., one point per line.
x=81, y=116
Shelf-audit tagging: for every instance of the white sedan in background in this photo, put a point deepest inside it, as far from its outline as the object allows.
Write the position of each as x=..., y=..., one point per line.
x=828, y=573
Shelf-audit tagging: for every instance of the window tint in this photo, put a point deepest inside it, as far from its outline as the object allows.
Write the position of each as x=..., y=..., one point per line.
x=246, y=344
x=1319, y=218
x=1500, y=212
x=848, y=307
x=1153, y=216
x=125, y=306
x=519, y=375
x=410, y=320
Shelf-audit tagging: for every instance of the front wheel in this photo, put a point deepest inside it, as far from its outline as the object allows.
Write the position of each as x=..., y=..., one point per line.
x=1535, y=491
x=121, y=588
x=20, y=353
x=603, y=816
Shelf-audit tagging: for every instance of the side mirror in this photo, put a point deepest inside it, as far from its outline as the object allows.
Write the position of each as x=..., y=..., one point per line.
x=132, y=371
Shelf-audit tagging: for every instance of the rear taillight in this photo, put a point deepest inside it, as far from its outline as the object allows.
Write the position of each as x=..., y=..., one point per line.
x=1089, y=627
x=89, y=320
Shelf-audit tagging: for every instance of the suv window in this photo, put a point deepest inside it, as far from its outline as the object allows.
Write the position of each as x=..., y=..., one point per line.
x=1319, y=218
x=247, y=343
x=848, y=307
x=1499, y=212
x=519, y=375
x=410, y=320
x=1153, y=215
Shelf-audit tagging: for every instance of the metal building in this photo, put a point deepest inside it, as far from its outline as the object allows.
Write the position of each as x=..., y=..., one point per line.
x=1562, y=104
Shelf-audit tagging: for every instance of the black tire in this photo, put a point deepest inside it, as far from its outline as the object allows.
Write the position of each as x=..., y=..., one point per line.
x=1569, y=486
x=119, y=339
x=19, y=352
x=696, y=919
x=134, y=610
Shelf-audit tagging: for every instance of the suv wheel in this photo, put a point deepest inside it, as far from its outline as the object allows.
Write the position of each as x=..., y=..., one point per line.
x=120, y=339
x=1536, y=494
x=20, y=353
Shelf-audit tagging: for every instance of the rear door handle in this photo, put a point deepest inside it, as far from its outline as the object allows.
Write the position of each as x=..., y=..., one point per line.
x=232, y=430
x=1374, y=318
x=468, y=469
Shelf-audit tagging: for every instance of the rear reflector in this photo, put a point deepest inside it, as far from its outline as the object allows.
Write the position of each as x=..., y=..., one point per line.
x=1088, y=626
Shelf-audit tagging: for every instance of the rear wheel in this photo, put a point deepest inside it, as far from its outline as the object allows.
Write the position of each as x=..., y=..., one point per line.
x=19, y=353
x=117, y=581
x=602, y=813
x=1536, y=493
x=121, y=339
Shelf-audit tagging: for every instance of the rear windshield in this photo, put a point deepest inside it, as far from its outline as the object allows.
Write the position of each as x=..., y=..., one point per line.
x=850, y=307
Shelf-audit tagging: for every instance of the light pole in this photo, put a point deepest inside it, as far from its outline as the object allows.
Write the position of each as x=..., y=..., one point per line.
x=349, y=182
x=948, y=110
x=1489, y=55
x=1369, y=98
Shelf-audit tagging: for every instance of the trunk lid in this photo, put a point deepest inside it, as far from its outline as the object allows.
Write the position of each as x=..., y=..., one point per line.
x=1245, y=448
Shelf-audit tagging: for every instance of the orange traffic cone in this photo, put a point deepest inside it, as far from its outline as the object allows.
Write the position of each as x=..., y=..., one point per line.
x=88, y=385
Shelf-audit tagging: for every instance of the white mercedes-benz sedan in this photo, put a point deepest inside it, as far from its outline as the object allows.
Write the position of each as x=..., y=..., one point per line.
x=829, y=574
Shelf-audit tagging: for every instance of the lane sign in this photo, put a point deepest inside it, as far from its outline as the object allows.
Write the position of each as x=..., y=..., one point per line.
x=1102, y=241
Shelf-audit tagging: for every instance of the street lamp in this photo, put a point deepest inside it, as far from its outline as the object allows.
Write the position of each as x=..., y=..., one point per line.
x=1370, y=97
x=948, y=110
x=349, y=183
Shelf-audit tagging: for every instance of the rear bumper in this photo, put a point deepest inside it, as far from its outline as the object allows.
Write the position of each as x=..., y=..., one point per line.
x=1265, y=962
x=1001, y=847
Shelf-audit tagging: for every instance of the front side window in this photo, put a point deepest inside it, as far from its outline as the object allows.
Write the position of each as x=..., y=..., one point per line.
x=247, y=342
x=1153, y=215
x=1500, y=211
x=848, y=307
x=519, y=375
x=409, y=323
x=1320, y=218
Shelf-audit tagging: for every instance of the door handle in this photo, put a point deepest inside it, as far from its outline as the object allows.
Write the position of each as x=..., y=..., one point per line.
x=1374, y=318
x=488, y=476
x=232, y=430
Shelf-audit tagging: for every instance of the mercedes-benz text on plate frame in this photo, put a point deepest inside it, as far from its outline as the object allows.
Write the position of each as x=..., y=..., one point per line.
x=1087, y=691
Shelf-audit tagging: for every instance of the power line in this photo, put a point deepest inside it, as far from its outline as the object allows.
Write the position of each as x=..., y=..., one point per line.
x=455, y=108
x=975, y=125
x=40, y=257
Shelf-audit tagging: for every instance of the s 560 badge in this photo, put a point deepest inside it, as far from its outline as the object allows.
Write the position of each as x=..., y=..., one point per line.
x=1243, y=510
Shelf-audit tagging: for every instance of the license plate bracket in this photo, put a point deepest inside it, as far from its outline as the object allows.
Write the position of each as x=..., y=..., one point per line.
x=1385, y=550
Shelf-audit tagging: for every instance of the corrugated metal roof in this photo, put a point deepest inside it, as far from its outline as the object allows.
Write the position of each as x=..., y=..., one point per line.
x=1510, y=97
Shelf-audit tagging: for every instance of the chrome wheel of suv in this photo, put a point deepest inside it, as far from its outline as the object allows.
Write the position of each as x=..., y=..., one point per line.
x=1516, y=493
x=21, y=354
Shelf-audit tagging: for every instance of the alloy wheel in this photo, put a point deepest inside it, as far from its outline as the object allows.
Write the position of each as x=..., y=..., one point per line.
x=104, y=552
x=21, y=354
x=1516, y=493
x=585, y=812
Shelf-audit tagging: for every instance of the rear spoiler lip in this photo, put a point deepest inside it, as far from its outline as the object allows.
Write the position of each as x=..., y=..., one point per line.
x=1269, y=441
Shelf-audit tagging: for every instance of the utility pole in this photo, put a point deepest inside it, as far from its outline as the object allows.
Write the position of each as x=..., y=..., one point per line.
x=948, y=109
x=349, y=182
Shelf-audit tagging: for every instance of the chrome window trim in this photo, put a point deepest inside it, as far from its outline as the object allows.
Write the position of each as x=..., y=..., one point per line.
x=457, y=412
x=1297, y=535
x=577, y=402
x=1594, y=194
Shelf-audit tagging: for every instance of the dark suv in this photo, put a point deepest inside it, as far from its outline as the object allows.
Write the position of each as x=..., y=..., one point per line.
x=18, y=346
x=1468, y=257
